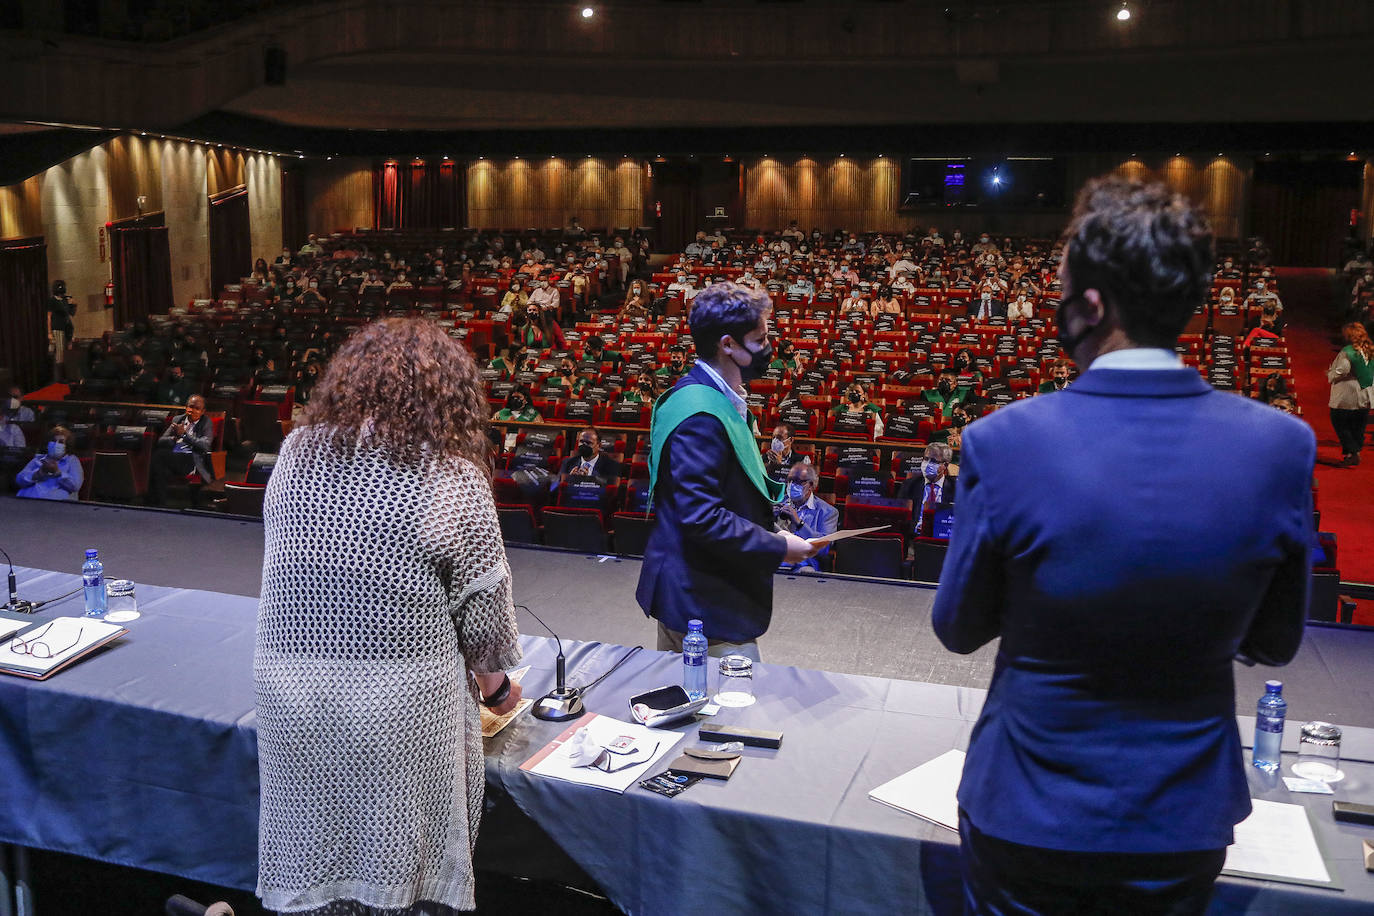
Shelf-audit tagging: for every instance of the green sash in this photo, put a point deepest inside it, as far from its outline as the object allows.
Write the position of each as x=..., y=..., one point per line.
x=691, y=400
x=1358, y=365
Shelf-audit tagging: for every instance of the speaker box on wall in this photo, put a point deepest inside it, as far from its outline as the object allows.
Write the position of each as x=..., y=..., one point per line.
x=274, y=66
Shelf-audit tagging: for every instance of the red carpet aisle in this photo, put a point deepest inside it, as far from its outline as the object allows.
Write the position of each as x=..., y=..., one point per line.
x=1344, y=495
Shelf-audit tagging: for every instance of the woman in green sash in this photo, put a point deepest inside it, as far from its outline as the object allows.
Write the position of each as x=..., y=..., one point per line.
x=1352, y=390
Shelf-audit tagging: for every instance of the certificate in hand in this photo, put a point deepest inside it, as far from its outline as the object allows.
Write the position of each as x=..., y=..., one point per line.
x=847, y=533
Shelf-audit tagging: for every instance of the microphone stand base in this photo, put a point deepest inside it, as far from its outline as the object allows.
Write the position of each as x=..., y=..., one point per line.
x=18, y=607
x=559, y=707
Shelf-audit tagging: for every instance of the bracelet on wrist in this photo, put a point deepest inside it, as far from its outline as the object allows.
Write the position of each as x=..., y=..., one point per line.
x=499, y=697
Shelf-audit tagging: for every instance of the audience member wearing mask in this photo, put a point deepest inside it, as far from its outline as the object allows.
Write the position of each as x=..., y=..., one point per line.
x=947, y=392
x=52, y=474
x=677, y=365
x=683, y=286
x=1059, y=377
x=569, y=380
x=779, y=458
x=587, y=463
x=1264, y=295
x=806, y=515
x=19, y=412
x=175, y=387
x=518, y=408
x=545, y=296
x=931, y=490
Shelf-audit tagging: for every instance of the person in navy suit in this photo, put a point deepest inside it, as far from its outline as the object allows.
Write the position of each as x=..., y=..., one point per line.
x=712, y=554
x=1105, y=771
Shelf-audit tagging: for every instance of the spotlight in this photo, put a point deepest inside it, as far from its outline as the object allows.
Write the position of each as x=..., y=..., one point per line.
x=588, y=12
x=1124, y=13
x=997, y=179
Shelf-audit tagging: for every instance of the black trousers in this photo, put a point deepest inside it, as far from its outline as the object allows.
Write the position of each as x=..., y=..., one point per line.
x=1350, y=428
x=165, y=465
x=1001, y=879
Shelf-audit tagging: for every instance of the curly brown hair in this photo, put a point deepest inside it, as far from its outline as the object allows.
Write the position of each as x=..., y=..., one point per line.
x=410, y=389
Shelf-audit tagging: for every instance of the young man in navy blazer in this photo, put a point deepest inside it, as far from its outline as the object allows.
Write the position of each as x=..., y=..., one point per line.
x=1105, y=771
x=712, y=554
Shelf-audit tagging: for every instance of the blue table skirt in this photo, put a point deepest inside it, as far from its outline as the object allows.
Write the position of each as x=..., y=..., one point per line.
x=145, y=755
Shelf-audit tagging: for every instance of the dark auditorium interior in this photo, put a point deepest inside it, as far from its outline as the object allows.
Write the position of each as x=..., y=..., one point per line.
x=227, y=190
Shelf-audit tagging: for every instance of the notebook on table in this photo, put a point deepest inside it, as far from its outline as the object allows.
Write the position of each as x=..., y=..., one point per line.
x=45, y=647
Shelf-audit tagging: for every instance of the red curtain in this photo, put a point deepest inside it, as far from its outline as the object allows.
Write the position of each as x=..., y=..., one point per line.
x=417, y=205
x=386, y=196
x=231, y=243
x=429, y=195
x=23, y=311
x=142, y=266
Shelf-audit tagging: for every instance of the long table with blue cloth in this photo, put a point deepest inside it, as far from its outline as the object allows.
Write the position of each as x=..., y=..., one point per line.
x=145, y=755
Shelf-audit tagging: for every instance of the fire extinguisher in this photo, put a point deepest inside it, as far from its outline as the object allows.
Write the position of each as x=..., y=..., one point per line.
x=109, y=294
x=658, y=209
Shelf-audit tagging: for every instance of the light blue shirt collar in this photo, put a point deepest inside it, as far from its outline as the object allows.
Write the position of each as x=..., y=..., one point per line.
x=1138, y=358
x=735, y=397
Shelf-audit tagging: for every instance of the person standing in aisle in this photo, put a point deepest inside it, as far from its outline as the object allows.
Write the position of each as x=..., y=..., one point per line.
x=1352, y=391
x=1105, y=771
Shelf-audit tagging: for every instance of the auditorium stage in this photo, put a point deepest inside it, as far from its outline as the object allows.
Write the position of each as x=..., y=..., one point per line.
x=827, y=623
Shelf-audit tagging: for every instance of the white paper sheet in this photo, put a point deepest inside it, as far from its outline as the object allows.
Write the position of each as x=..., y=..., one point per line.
x=64, y=637
x=927, y=791
x=1276, y=841
x=651, y=744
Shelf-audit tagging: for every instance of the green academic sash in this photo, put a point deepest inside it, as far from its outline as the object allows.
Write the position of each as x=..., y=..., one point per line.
x=1360, y=367
x=691, y=400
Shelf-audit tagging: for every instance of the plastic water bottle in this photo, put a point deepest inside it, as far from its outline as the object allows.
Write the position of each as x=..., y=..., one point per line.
x=1269, y=717
x=694, y=661
x=93, y=584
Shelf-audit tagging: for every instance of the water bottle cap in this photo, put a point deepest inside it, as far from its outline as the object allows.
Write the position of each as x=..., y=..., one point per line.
x=1273, y=686
x=693, y=625
x=91, y=553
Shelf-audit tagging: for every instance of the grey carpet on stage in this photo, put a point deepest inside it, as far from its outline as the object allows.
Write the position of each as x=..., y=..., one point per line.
x=856, y=627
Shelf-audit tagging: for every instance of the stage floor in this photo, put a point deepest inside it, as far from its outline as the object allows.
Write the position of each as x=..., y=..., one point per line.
x=845, y=625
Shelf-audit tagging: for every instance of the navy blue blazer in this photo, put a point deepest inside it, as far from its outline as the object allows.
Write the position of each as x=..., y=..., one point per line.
x=1125, y=538
x=712, y=553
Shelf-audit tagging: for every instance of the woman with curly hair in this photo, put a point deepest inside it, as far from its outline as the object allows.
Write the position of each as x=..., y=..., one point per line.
x=1351, y=375
x=385, y=618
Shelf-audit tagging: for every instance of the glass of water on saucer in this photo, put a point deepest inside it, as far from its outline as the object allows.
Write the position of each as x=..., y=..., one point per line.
x=121, y=602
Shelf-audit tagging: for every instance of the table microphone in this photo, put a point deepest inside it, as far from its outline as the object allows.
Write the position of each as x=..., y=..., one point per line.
x=15, y=605
x=562, y=702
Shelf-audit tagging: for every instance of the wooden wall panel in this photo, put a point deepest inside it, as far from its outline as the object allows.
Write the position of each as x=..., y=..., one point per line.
x=545, y=194
x=224, y=169
x=338, y=195
x=135, y=170
x=1366, y=202
x=21, y=209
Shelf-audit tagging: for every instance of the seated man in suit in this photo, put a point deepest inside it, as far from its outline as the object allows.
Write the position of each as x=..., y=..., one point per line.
x=587, y=462
x=1105, y=772
x=806, y=515
x=932, y=489
x=183, y=447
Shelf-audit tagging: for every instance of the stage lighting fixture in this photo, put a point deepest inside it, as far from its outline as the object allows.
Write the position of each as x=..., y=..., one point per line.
x=1124, y=13
x=588, y=12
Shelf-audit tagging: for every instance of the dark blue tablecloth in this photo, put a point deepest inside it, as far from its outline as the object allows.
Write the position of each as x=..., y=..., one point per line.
x=145, y=755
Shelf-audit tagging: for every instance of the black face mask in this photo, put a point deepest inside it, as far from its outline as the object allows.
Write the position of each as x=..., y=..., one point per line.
x=584, y=450
x=1067, y=342
x=517, y=403
x=958, y=421
x=855, y=397
x=946, y=388
x=962, y=362
x=758, y=364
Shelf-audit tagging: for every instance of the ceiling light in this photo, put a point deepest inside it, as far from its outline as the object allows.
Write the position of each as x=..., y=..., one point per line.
x=1124, y=13
x=588, y=12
